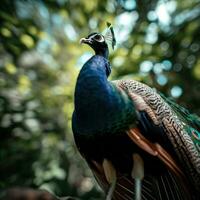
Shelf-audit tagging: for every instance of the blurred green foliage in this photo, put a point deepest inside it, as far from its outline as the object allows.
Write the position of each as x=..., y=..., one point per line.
x=40, y=57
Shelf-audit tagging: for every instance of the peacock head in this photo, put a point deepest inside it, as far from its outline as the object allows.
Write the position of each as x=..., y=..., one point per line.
x=99, y=42
x=96, y=41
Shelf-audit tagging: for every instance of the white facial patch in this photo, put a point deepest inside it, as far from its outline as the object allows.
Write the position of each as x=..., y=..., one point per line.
x=97, y=37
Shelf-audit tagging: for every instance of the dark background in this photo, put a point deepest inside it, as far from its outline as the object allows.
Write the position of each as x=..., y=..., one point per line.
x=40, y=57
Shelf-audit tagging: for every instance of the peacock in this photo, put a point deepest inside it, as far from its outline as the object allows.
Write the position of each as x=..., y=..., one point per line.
x=139, y=144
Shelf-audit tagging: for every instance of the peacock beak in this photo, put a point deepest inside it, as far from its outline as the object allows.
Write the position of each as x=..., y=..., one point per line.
x=85, y=40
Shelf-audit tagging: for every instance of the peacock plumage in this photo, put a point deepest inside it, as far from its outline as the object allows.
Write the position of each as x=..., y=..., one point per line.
x=139, y=144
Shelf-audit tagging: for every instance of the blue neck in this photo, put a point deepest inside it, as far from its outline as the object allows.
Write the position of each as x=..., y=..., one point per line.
x=92, y=91
x=99, y=105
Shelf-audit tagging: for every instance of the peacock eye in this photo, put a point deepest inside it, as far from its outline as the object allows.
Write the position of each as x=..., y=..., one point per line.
x=99, y=38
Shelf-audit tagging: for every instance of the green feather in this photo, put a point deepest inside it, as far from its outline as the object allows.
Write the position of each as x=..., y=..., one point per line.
x=184, y=114
x=191, y=121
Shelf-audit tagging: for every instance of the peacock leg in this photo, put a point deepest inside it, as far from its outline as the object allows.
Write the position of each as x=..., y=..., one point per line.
x=111, y=177
x=138, y=174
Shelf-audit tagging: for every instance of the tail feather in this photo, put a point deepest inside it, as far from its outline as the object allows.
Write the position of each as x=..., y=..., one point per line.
x=158, y=187
x=165, y=187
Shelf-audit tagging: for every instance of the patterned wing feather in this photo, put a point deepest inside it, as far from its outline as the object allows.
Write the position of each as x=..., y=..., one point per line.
x=192, y=119
x=183, y=138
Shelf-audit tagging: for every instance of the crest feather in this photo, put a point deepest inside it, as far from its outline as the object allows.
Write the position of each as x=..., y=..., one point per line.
x=110, y=36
